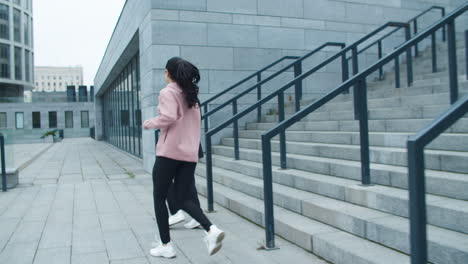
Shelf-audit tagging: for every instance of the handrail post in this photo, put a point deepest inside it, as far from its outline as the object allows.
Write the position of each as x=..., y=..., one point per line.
x=259, y=97
x=444, y=33
x=417, y=203
x=206, y=120
x=3, y=163
x=466, y=53
x=397, y=72
x=452, y=61
x=379, y=47
x=209, y=173
x=283, y=133
x=298, y=86
x=415, y=31
x=409, y=58
x=356, y=87
x=344, y=70
x=236, y=131
x=363, y=132
x=434, y=52
x=268, y=193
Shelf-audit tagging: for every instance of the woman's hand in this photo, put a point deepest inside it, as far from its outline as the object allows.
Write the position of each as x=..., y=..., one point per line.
x=146, y=124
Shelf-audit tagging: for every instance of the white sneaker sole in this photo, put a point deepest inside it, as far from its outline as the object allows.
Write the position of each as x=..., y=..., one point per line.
x=192, y=227
x=168, y=256
x=219, y=244
x=175, y=223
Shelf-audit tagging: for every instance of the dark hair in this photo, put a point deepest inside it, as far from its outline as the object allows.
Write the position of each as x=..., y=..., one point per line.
x=187, y=76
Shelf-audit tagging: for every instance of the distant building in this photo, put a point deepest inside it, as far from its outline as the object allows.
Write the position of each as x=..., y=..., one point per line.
x=56, y=79
x=16, y=50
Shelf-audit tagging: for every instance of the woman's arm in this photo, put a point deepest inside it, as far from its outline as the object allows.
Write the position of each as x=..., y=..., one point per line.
x=167, y=109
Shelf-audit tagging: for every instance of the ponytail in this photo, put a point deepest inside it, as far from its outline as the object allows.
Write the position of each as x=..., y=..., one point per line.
x=187, y=76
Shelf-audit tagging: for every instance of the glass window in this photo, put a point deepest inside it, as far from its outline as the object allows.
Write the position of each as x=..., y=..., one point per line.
x=3, y=120
x=4, y=61
x=18, y=64
x=18, y=2
x=19, y=117
x=27, y=65
x=26, y=30
x=36, y=116
x=53, y=119
x=4, y=21
x=17, y=25
x=84, y=119
x=68, y=119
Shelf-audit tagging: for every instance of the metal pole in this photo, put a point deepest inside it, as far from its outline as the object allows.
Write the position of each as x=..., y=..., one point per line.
x=466, y=53
x=236, y=131
x=443, y=28
x=417, y=203
x=379, y=46
x=283, y=133
x=356, y=87
x=344, y=70
x=452, y=62
x=2, y=152
x=364, y=132
x=397, y=72
x=209, y=174
x=298, y=86
x=434, y=52
x=268, y=193
x=409, y=59
x=259, y=97
x=415, y=30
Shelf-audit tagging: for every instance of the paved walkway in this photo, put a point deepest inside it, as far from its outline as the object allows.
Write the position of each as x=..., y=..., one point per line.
x=84, y=202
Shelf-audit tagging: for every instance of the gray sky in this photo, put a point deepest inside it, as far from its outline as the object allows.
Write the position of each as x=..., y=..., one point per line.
x=74, y=32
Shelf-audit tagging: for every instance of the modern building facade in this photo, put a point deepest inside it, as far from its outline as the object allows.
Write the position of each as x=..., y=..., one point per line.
x=26, y=122
x=16, y=50
x=227, y=40
x=56, y=79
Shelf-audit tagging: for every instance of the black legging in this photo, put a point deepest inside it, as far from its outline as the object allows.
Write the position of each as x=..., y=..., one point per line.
x=166, y=170
x=171, y=199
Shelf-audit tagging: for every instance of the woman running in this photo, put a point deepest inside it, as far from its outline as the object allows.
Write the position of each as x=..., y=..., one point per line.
x=177, y=153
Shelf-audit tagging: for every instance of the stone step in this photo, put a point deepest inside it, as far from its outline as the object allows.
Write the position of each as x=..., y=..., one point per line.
x=414, y=112
x=443, y=212
x=391, y=125
x=380, y=227
x=318, y=238
x=446, y=141
x=451, y=161
x=442, y=183
x=441, y=99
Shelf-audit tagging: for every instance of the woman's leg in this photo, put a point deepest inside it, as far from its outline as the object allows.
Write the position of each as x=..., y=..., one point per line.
x=184, y=182
x=163, y=171
x=171, y=199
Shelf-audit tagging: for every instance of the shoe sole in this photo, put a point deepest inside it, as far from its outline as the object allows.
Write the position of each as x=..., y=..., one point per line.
x=177, y=222
x=192, y=227
x=164, y=256
x=219, y=244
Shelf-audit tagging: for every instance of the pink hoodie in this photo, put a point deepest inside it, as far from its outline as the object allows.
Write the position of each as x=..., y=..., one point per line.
x=179, y=125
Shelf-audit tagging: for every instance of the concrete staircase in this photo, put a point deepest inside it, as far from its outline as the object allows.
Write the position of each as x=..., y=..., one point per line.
x=319, y=204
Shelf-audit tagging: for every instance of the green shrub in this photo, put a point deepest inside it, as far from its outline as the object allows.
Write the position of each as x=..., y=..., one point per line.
x=49, y=133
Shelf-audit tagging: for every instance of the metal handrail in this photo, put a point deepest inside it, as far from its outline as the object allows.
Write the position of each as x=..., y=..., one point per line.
x=297, y=64
x=280, y=92
x=2, y=162
x=416, y=176
x=359, y=82
x=206, y=102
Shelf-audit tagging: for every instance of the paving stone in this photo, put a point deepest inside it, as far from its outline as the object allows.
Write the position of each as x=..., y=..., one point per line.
x=122, y=245
x=91, y=258
x=88, y=241
x=19, y=253
x=53, y=256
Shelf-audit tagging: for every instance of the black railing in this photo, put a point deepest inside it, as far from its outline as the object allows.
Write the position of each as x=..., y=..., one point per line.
x=353, y=48
x=359, y=83
x=417, y=181
x=2, y=161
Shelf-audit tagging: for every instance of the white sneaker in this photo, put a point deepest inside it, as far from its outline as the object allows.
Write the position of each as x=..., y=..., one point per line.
x=214, y=240
x=192, y=224
x=177, y=218
x=166, y=251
